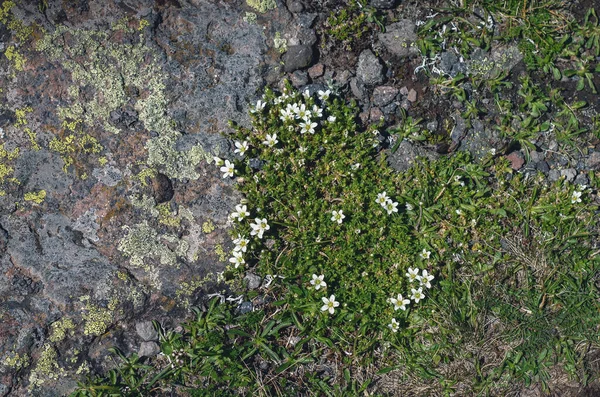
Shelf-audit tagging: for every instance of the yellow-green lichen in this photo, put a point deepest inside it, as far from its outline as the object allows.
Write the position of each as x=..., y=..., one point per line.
x=15, y=361
x=166, y=217
x=143, y=23
x=96, y=319
x=32, y=138
x=220, y=252
x=72, y=146
x=250, y=17
x=15, y=57
x=60, y=329
x=262, y=6
x=208, y=227
x=21, y=115
x=15, y=25
x=146, y=173
x=5, y=168
x=46, y=367
x=186, y=289
x=37, y=197
x=279, y=43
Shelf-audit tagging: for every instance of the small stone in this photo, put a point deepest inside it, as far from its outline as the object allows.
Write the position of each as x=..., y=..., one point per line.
x=569, y=174
x=294, y=6
x=399, y=39
x=404, y=91
x=383, y=95
x=516, y=160
x=297, y=57
x=582, y=180
x=593, y=161
x=375, y=114
x=146, y=331
x=343, y=77
x=543, y=167
x=245, y=307
x=299, y=78
x=357, y=88
x=306, y=20
x=432, y=125
x=390, y=109
x=316, y=71
x=412, y=95
x=369, y=69
x=383, y=4
x=553, y=175
x=253, y=281
x=148, y=349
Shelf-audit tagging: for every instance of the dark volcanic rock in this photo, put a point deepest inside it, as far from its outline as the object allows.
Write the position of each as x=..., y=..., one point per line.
x=297, y=57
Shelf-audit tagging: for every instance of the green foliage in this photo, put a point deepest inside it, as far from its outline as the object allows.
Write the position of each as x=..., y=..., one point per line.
x=348, y=24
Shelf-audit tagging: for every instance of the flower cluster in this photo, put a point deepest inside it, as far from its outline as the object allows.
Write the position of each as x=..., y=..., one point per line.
x=387, y=203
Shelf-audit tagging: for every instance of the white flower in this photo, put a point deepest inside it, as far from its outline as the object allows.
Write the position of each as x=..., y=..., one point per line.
x=241, y=243
x=329, y=304
x=241, y=212
x=338, y=216
x=318, y=282
x=307, y=127
x=218, y=161
x=260, y=105
x=409, y=207
x=302, y=112
x=382, y=198
x=324, y=95
x=457, y=180
x=270, y=140
x=355, y=166
x=286, y=114
x=259, y=227
x=306, y=93
x=425, y=254
x=241, y=147
x=302, y=149
x=391, y=206
x=576, y=197
x=417, y=294
x=425, y=278
x=413, y=274
x=458, y=212
x=317, y=111
x=227, y=169
x=237, y=259
x=399, y=302
x=394, y=325
x=331, y=119
x=292, y=108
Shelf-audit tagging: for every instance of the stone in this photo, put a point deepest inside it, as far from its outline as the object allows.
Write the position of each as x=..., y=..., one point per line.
x=299, y=78
x=543, y=167
x=412, y=95
x=297, y=57
x=399, y=39
x=404, y=91
x=162, y=188
x=553, y=175
x=343, y=77
x=383, y=95
x=593, y=161
x=383, y=4
x=516, y=160
x=369, y=69
x=404, y=157
x=148, y=349
x=569, y=174
x=294, y=6
x=306, y=20
x=253, y=281
x=582, y=179
x=390, y=109
x=375, y=114
x=316, y=71
x=245, y=307
x=451, y=64
x=357, y=88
x=146, y=331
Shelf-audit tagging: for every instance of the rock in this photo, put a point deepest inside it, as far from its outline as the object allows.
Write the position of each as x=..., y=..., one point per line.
x=343, y=77
x=569, y=174
x=383, y=4
x=148, y=349
x=516, y=160
x=405, y=156
x=553, y=175
x=245, y=307
x=297, y=57
x=253, y=281
x=316, y=71
x=299, y=78
x=306, y=20
x=412, y=95
x=502, y=58
x=593, y=161
x=146, y=331
x=543, y=167
x=389, y=109
x=399, y=39
x=358, y=88
x=582, y=180
x=369, y=69
x=404, y=91
x=383, y=95
x=432, y=125
x=375, y=114
x=451, y=64
x=294, y=6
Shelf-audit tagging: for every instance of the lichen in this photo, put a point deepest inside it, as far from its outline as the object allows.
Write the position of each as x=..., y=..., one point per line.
x=166, y=217
x=74, y=145
x=36, y=197
x=250, y=17
x=60, y=329
x=15, y=361
x=220, y=252
x=97, y=319
x=262, y=6
x=208, y=227
x=15, y=57
x=6, y=157
x=46, y=367
x=279, y=43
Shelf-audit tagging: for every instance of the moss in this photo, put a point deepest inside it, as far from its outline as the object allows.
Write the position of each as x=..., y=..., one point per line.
x=46, y=367
x=15, y=361
x=97, y=319
x=60, y=329
x=262, y=6
x=208, y=227
x=36, y=197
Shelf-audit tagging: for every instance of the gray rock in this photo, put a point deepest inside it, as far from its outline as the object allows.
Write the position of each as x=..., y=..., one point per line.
x=553, y=175
x=390, y=109
x=450, y=63
x=399, y=39
x=294, y=6
x=299, y=78
x=405, y=156
x=543, y=167
x=297, y=57
x=306, y=20
x=253, y=281
x=569, y=174
x=383, y=95
x=593, y=161
x=42, y=170
x=148, y=349
x=146, y=331
x=383, y=4
x=404, y=91
x=582, y=179
x=357, y=87
x=343, y=77
x=369, y=69
x=432, y=125
x=412, y=95
x=245, y=307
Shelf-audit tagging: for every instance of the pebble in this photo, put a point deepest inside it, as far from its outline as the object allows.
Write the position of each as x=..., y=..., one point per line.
x=569, y=174
x=316, y=71
x=383, y=95
x=299, y=78
x=369, y=69
x=412, y=95
x=148, y=349
x=253, y=281
x=297, y=57
x=516, y=160
x=146, y=331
